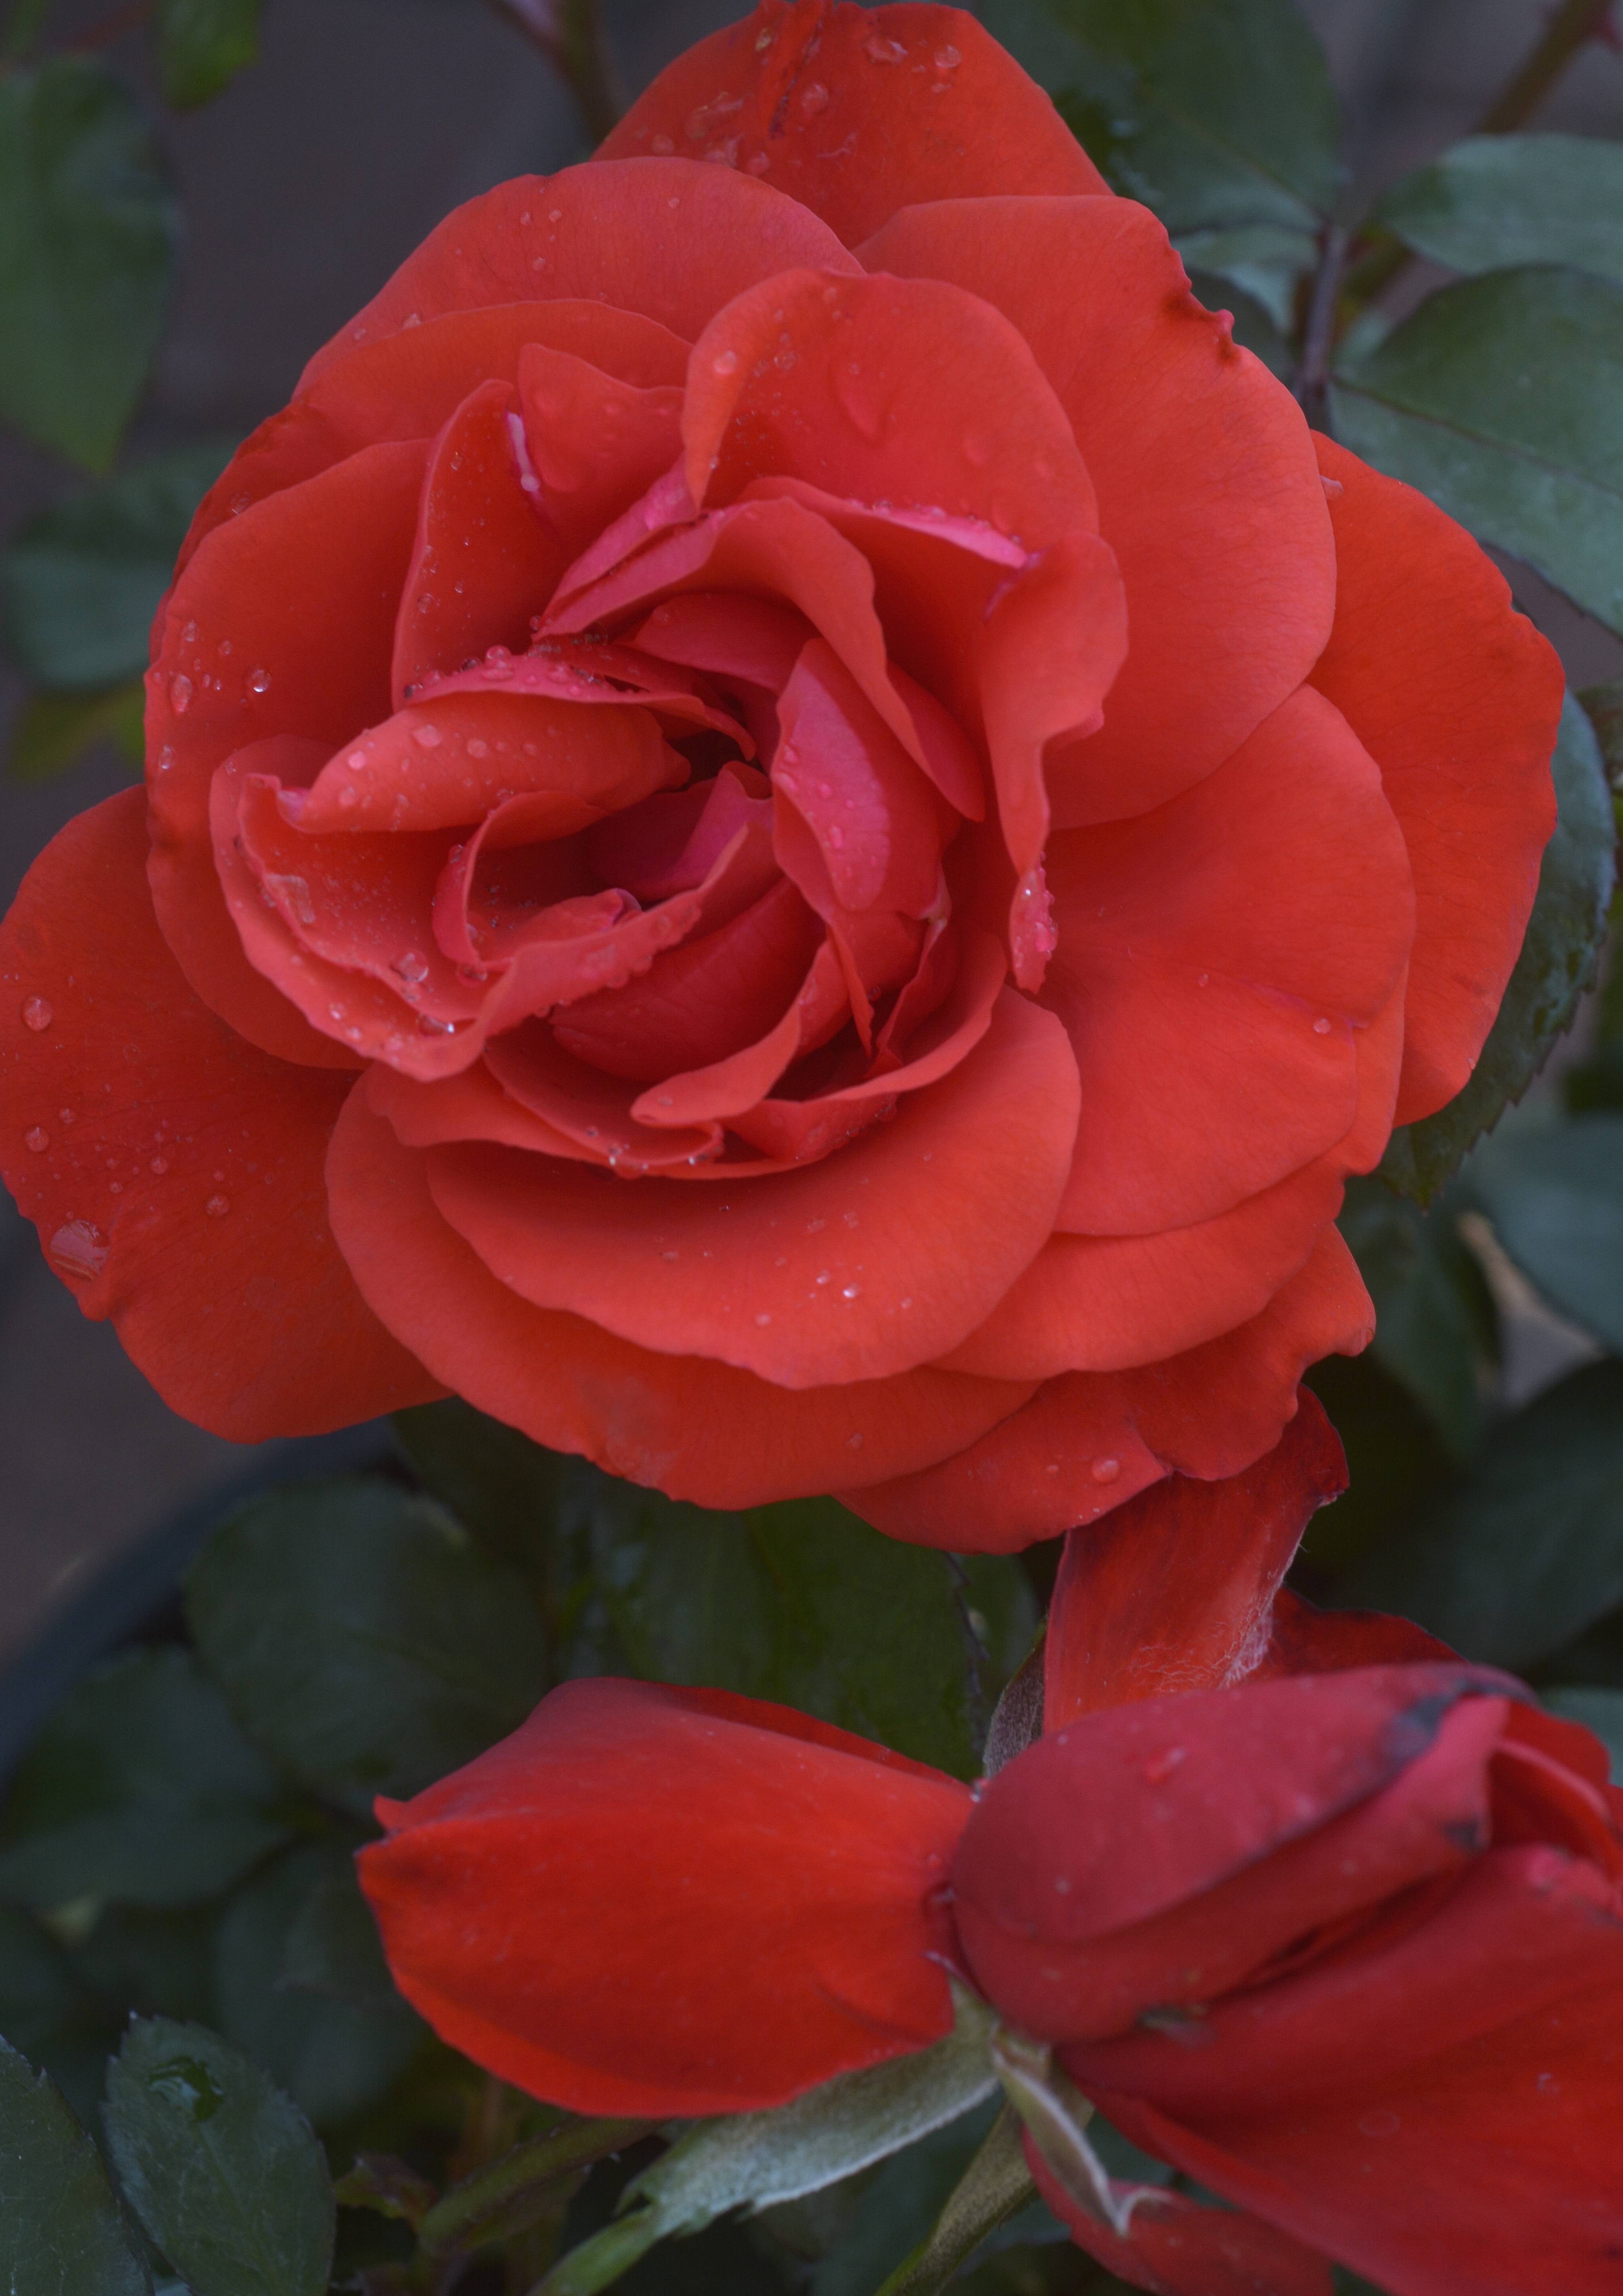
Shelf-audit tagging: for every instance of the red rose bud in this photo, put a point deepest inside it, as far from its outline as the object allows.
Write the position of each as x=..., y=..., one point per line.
x=1342, y=1943
x=795, y=831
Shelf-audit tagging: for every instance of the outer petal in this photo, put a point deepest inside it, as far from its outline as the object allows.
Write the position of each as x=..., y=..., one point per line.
x=1281, y=1807
x=858, y=111
x=282, y=624
x=1172, y=2247
x=697, y=1430
x=671, y=239
x=615, y=1909
x=1216, y=959
x=1175, y=1590
x=1306, y=1640
x=1467, y=2072
x=1208, y=490
x=1456, y=697
x=174, y=1172
x=833, y=1273
x=1087, y=1441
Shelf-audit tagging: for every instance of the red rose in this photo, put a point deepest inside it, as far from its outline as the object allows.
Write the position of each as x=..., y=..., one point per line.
x=1342, y=1941
x=787, y=839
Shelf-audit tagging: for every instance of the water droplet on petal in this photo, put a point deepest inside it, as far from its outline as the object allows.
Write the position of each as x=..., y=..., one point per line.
x=477, y=749
x=813, y=99
x=357, y=761
x=851, y=1291
x=1105, y=1471
x=1321, y=1027
x=258, y=681
x=36, y=1013
x=160, y=1165
x=948, y=59
x=427, y=737
x=1161, y=1767
x=879, y=51
x=180, y=694
x=79, y=1248
x=38, y=1140
x=413, y=966
x=726, y=364
x=217, y=1207
x=763, y=1320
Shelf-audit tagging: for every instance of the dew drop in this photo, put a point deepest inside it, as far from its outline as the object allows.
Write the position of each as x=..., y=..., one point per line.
x=1105, y=1471
x=1161, y=1767
x=948, y=59
x=878, y=51
x=160, y=1165
x=38, y=1140
x=165, y=758
x=427, y=737
x=854, y=1442
x=258, y=681
x=357, y=761
x=217, y=1207
x=851, y=1291
x=349, y=796
x=36, y=1013
x=763, y=1321
x=180, y=694
x=79, y=1248
x=726, y=364
x=1321, y=1027
x=814, y=99
x=413, y=966
x=428, y=1024
x=479, y=749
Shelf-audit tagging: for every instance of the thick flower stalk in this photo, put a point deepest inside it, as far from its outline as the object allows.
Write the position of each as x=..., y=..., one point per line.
x=1308, y=1907
x=795, y=831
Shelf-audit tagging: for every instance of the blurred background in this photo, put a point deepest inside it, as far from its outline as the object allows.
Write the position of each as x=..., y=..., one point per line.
x=302, y=186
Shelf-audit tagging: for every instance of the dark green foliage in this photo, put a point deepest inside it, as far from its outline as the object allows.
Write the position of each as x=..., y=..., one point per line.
x=79, y=584
x=1494, y=201
x=1557, y=963
x=222, y=2170
x=365, y=1643
x=1555, y=1198
x=61, y=2232
x=301, y=1985
x=88, y=239
x=1436, y=1330
x=1529, y=1551
x=139, y=1788
x=1502, y=398
x=202, y=45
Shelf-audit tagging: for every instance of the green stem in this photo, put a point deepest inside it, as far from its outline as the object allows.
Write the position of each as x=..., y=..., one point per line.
x=1574, y=24
x=521, y=2187
x=992, y=2188
x=570, y=33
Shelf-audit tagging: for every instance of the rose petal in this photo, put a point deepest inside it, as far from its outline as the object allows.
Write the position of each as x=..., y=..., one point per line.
x=841, y=771
x=1456, y=696
x=1172, y=2247
x=302, y=592
x=1207, y=489
x=178, y=1189
x=1466, y=2072
x=1215, y=959
x=832, y=1273
x=1087, y=1441
x=486, y=557
x=406, y=386
x=531, y=1094
x=699, y=1430
x=535, y=1906
x=1175, y=1590
x=856, y=112
x=671, y=239
x=595, y=443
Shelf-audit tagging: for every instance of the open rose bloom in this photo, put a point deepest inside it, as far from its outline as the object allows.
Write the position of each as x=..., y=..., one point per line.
x=795, y=831
x=1325, y=1919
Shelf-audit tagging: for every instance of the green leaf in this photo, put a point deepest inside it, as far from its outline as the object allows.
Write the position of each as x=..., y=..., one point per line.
x=757, y=2160
x=1555, y=1199
x=222, y=2169
x=202, y=45
x=139, y=1788
x=79, y=584
x=1529, y=1551
x=997, y=2185
x=1397, y=1463
x=53, y=731
x=803, y=1604
x=1219, y=114
x=301, y=1988
x=61, y=2232
x=87, y=242
x=1600, y=1710
x=504, y=1487
x=1564, y=937
x=1501, y=398
x=50, y=2015
x=1497, y=200
x=1435, y=1325
x=362, y=1639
